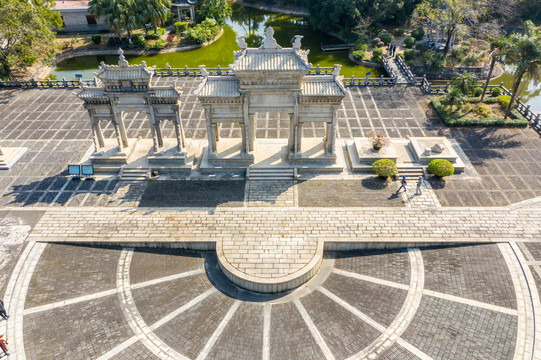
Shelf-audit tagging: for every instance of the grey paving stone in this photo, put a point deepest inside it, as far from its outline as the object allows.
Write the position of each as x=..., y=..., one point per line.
x=387, y=265
x=179, y=193
x=381, y=303
x=397, y=352
x=474, y=272
x=290, y=337
x=189, y=332
x=135, y=352
x=156, y=301
x=243, y=336
x=81, y=331
x=343, y=333
x=447, y=330
x=366, y=192
x=148, y=263
x=68, y=271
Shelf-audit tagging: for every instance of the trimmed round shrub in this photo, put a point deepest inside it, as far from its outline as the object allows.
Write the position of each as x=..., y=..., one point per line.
x=158, y=45
x=96, y=39
x=418, y=33
x=399, y=32
x=477, y=91
x=409, y=54
x=409, y=42
x=377, y=55
x=441, y=168
x=504, y=101
x=180, y=27
x=495, y=92
x=387, y=38
x=359, y=54
x=385, y=168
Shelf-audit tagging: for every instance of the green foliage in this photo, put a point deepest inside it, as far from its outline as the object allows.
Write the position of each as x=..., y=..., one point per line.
x=155, y=34
x=454, y=97
x=359, y=54
x=155, y=12
x=465, y=82
x=218, y=10
x=504, y=101
x=477, y=91
x=385, y=168
x=455, y=120
x=333, y=15
x=26, y=33
x=434, y=60
x=362, y=47
x=418, y=33
x=139, y=41
x=409, y=54
x=409, y=42
x=120, y=15
x=180, y=27
x=158, y=45
x=481, y=110
x=495, y=92
x=399, y=31
x=96, y=38
x=387, y=38
x=441, y=168
x=377, y=55
x=204, y=32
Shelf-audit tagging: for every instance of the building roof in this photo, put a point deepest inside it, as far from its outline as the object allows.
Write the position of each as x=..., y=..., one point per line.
x=271, y=56
x=322, y=85
x=124, y=71
x=262, y=60
x=92, y=93
x=164, y=92
x=219, y=86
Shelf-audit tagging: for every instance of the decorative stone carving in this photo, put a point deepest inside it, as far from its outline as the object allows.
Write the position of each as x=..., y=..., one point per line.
x=270, y=42
x=297, y=42
x=438, y=148
x=241, y=42
x=428, y=151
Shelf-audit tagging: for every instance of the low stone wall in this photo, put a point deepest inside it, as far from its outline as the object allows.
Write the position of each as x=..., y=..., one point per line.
x=363, y=62
x=113, y=51
x=449, y=73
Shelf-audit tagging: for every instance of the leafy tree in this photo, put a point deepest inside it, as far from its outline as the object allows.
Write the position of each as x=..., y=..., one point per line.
x=154, y=11
x=496, y=47
x=218, y=10
x=452, y=14
x=464, y=82
x=119, y=14
x=523, y=52
x=334, y=15
x=454, y=97
x=26, y=33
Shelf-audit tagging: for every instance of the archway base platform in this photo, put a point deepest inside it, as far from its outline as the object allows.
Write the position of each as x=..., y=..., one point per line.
x=9, y=156
x=272, y=153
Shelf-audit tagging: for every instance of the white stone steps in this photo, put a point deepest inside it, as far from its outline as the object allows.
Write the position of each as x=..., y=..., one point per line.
x=271, y=173
x=134, y=174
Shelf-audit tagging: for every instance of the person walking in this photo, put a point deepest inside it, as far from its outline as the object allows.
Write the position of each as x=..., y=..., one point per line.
x=403, y=184
x=419, y=185
x=3, y=346
x=3, y=310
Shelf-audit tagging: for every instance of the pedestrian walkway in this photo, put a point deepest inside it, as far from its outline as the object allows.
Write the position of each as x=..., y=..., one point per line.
x=400, y=76
x=426, y=199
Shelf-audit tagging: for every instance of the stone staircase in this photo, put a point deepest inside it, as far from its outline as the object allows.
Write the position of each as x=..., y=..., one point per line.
x=134, y=174
x=271, y=173
x=410, y=172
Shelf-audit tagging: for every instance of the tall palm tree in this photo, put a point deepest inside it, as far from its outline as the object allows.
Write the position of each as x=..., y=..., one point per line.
x=523, y=52
x=495, y=56
x=454, y=97
x=464, y=82
x=154, y=11
x=119, y=14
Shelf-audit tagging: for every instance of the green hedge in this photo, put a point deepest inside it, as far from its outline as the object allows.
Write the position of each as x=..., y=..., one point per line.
x=452, y=119
x=441, y=167
x=385, y=168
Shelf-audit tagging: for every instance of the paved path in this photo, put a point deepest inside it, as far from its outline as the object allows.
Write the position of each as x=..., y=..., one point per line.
x=406, y=225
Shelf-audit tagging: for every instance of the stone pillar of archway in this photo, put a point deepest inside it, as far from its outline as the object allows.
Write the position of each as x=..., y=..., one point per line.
x=179, y=131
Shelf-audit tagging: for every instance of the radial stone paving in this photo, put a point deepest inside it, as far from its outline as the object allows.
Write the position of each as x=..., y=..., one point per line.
x=186, y=308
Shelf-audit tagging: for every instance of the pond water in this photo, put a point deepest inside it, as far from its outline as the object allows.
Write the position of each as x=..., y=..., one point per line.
x=531, y=94
x=250, y=23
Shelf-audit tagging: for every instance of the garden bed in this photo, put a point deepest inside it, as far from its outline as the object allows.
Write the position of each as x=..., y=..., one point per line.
x=469, y=114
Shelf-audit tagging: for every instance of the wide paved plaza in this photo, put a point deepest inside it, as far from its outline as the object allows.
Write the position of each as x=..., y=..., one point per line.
x=108, y=269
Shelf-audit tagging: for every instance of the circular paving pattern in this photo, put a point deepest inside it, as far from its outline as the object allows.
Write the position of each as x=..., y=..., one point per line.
x=441, y=303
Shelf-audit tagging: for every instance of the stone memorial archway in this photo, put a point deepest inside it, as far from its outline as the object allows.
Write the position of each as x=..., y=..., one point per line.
x=126, y=88
x=271, y=78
